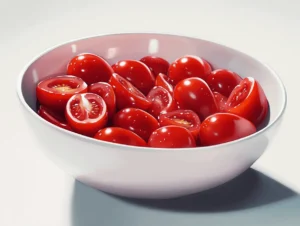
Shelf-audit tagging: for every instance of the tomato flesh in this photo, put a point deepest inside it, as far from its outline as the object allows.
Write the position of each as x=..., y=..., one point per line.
x=162, y=80
x=221, y=101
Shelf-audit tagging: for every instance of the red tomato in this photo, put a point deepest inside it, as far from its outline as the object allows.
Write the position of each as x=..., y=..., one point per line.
x=184, y=118
x=137, y=73
x=220, y=100
x=207, y=65
x=194, y=94
x=53, y=118
x=106, y=91
x=162, y=80
x=224, y=127
x=187, y=67
x=223, y=81
x=156, y=64
x=127, y=95
x=55, y=92
x=90, y=67
x=86, y=113
x=172, y=137
x=248, y=100
x=161, y=101
x=137, y=121
x=120, y=136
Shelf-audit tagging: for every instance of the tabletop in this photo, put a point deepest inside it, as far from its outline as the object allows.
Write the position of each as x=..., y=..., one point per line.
x=35, y=192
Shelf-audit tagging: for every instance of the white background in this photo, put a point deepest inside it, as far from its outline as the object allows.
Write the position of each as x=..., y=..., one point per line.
x=34, y=192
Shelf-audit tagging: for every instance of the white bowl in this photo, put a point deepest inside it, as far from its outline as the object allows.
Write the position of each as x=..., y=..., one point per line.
x=147, y=172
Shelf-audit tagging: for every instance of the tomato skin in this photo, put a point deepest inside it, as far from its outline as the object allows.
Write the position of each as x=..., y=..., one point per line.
x=188, y=66
x=248, y=100
x=221, y=101
x=224, y=127
x=86, y=113
x=137, y=121
x=120, y=136
x=90, y=67
x=162, y=80
x=137, y=73
x=194, y=94
x=172, y=137
x=223, y=81
x=156, y=64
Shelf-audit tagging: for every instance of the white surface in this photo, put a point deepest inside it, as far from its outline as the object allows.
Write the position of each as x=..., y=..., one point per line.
x=35, y=192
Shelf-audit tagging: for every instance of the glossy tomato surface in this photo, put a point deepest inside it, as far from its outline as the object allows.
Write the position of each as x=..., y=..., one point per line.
x=162, y=80
x=221, y=101
x=156, y=64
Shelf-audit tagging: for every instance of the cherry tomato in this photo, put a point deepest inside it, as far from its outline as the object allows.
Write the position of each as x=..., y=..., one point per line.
x=248, y=100
x=156, y=64
x=53, y=117
x=172, y=137
x=120, y=136
x=137, y=121
x=187, y=67
x=194, y=94
x=223, y=81
x=90, y=67
x=136, y=73
x=127, y=95
x=220, y=100
x=184, y=118
x=207, y=65
x=55, y=92
x=162, y=80
x=86, y=113
x=106, y=91
x=161, y=101
x=224, y=127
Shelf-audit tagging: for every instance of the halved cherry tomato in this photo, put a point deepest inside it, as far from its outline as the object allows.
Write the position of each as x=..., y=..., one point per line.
x=54, y=92
x=184, y=118
x=221, y=101
x=137, y=73
x=161, y=101
x=156, y=64
x=53, y=118
x=120, y=136
x=223, y=81
x=90, y=67
x=194, y=94
x=224, y=127
x=86, y=113
x=106, y=91
x=187, y=67
x=248, y=100
x=137, y=121
x=162, y=80
x=172, y=137
x=127, y=95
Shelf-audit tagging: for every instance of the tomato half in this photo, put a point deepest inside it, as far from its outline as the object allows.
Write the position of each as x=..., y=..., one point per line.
x=162, y=80
x=137, y=73
x=54, y=92
x=172, y=137
x=86, y=113
x=224, y=127
x=248, y=100
x=137, y=121
x=90, y=67
x=156, y=64
x=120, y=136
x=221, y=101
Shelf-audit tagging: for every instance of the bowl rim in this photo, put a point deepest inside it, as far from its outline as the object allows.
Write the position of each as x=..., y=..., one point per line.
x=134, y=148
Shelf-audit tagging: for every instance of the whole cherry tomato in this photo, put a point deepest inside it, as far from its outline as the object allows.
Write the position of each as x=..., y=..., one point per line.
x=162, y=80
x=137, y=73
x=137, y=121
x=120, y=136
x=106, y=91
x=156, y=64
x=224, y=127
x=184, y=118
x=187, y=67
x=54, y=92
x=221, y=101
x=86, y=113
x=90, y=67
x=207, y=65
x=172, y=137
x=223, y=81
x=194, y=94
x=161, y=101
x=248, y=100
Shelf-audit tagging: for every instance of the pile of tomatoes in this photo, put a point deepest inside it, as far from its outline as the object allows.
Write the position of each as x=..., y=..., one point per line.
x=151, y=102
